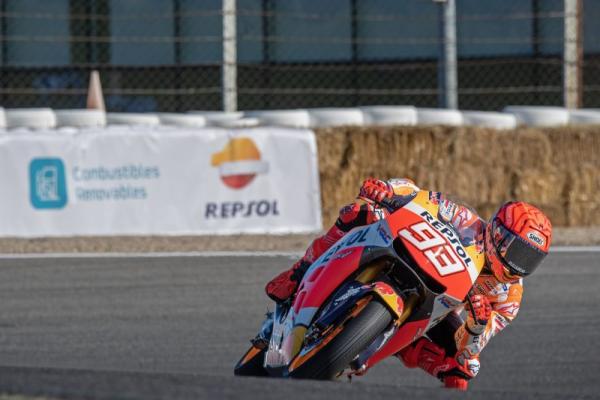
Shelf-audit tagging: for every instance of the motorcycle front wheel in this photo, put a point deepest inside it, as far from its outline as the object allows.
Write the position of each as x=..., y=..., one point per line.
x=358, y=332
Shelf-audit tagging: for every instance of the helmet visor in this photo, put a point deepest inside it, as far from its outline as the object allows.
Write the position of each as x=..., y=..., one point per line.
x=519, y=256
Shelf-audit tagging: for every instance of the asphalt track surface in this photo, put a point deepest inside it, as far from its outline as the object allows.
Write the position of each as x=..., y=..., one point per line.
x=156, y=328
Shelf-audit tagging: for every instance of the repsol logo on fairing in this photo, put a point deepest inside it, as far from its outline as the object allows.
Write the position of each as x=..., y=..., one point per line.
x=239, y=209
x=450, y=235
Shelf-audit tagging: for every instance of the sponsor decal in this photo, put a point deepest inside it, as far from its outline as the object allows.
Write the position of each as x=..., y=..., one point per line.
x=418, y=334
x=47, y=183
x=489, y=285
x=343, y=254
x=239, y=162
x=446, y=210
x=379, y=213
x=510, y=309
x=351, y=292
x=383, y=233
x=113, y=183
x=439, y=243
x=479, y=289
x=235, y=209
x=462, y=217
x=517, y=267
x=434, y=197
x=447, y=302
x=99, y=183
x=134, y=172
x=355, y=238
x=500, y=322
x=536, y=238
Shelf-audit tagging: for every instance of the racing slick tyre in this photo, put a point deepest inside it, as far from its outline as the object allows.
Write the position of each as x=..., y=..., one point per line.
x=335, y=356
x=251, y=364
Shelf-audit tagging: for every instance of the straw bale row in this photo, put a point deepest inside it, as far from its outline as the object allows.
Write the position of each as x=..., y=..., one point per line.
x=557, y=169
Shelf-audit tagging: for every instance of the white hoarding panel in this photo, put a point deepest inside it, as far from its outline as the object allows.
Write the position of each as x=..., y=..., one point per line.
x=159, y=181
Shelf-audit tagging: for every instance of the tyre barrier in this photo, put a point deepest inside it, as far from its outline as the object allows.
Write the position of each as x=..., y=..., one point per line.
x=2, y=118
x=539, y=116
x=510, y=118
x=80, y=118
x=389, y=115
x=187, y=120
x=291, y=118
x=584, y=117
x=35, y=118
x=237, y=123
x=486, y=119
x=328, y=117
x=214, y=118
x=132, y=119
x=438, y=116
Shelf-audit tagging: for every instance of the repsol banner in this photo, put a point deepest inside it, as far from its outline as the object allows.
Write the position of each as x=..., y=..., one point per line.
x=159, y=181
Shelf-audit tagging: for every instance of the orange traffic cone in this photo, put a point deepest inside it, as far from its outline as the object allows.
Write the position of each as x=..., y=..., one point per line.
x=95, y=100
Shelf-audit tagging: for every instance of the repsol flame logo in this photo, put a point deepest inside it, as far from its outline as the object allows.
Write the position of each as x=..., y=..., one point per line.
x=239, y=162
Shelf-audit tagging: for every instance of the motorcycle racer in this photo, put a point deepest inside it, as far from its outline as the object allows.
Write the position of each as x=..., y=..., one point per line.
x=514, y=242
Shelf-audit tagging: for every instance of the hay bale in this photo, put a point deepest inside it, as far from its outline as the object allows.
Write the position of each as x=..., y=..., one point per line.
x=554, y=168
x=583, y=204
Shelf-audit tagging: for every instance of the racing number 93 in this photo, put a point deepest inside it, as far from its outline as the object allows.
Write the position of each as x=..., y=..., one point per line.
x=434, y=246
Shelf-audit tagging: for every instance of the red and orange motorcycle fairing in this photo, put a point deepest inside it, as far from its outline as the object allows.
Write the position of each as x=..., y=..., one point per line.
x=411, y=242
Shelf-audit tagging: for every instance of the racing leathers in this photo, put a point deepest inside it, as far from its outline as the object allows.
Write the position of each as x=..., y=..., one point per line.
x=450, y=351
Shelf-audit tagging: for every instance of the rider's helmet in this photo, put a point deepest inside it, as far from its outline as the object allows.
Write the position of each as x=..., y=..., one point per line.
x=517, y=239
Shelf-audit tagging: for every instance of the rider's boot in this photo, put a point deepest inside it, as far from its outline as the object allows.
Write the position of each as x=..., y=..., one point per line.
x=456, y=382
x=432, y=358
x=283, y=286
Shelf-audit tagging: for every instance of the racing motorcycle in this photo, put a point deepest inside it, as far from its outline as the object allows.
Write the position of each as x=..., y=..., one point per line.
x=378, y=289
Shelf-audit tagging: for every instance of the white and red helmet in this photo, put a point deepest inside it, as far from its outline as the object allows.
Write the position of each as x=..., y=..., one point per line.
x=517, y=239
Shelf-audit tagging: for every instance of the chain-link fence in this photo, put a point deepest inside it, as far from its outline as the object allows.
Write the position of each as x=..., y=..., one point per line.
x=167, y=55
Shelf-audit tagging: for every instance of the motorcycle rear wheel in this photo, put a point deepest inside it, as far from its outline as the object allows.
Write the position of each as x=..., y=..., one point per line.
x=358, y=333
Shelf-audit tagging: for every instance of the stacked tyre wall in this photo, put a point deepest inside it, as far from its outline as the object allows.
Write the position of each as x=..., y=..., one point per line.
x=558, y=169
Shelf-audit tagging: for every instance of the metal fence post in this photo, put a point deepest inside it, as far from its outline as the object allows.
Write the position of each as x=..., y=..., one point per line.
x=229, y=69
x=572, y=55
x=447, y=73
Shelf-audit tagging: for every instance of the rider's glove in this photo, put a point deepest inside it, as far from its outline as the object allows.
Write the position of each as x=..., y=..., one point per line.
x=482, y=311
x=376, y=190
x=466, y=368
x=468, y=363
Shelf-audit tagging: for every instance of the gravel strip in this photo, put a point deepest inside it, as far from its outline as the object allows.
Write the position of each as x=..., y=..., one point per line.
x=140, y=244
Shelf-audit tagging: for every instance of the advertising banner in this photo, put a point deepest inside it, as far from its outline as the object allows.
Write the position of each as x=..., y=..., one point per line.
x=134, y=180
